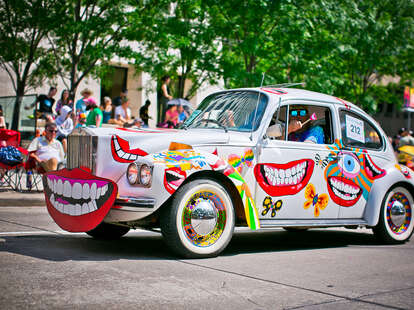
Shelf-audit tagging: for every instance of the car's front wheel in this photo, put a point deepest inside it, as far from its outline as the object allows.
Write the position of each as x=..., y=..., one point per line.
x=395, y=223
x=108, y=231
x=200, y=220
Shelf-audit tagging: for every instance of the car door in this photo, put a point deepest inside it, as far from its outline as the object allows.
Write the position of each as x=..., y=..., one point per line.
x=358, y=165
x=290, y=175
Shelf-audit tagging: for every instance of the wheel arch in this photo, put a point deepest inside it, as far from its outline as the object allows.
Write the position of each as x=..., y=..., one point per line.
x=228, y=185
x=380, y=190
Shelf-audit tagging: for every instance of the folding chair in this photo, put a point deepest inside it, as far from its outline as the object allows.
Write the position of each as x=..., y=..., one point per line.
x=10, y=175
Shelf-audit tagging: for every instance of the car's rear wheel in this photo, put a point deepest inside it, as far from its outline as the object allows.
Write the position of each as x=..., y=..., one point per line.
x=395, y=223
x=200, y=220
x=108, y=231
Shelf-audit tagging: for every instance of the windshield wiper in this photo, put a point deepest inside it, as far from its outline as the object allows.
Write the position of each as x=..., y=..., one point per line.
x=209, y=120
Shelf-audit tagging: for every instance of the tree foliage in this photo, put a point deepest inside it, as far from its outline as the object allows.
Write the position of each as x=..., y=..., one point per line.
x=90, y=33
x=23, y=26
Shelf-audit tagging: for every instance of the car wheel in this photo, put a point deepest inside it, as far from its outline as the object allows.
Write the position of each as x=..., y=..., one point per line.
x=108, y=231
x=200, y=220
x=395, y=224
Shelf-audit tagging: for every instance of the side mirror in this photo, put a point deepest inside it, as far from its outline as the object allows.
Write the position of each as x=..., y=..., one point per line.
x=274, y=131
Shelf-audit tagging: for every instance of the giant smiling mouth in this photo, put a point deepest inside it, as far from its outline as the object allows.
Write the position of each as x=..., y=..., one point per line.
x=284, y=179
x=372, y=170
x=77, y=200
x=121, y=151
x=173, y=178
x=343, y=192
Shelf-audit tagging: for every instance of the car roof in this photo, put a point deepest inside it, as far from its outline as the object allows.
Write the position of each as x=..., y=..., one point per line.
x=302, y=94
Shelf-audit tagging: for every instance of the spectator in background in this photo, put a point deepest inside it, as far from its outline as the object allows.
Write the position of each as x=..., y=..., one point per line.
x=64, y=100
x=182, y=114
x=143, y=113
x=106, y=110
x=81, y=103
x=46, y=103
x=117, y=101
x=406, y=137
x=94, y=117
x=171, y=117
x=81, y=120
x=163, y=95
x=123, y=112
x=64, y=125
x=46, y=150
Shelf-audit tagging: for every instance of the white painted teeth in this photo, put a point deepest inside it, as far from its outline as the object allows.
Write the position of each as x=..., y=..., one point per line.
x=372, y=166
x=73, y=209
x=122, y=154
x=175, y=174
x=75, y=191
x=291, y=176
x=344, y=191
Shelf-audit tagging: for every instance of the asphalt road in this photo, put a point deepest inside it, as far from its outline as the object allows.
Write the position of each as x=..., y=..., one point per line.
x=43, y=267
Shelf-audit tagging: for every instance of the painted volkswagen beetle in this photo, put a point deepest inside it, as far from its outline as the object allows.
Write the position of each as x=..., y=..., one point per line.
x=262, y=157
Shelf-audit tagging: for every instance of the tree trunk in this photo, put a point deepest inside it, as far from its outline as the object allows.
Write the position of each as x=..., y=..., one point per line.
x=17, y=104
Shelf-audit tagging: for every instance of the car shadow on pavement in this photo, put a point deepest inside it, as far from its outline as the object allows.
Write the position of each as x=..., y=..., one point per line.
x=151, y=246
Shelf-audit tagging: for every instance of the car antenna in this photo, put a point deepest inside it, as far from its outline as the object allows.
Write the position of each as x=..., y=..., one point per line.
x=285, y=85
x=255, y=111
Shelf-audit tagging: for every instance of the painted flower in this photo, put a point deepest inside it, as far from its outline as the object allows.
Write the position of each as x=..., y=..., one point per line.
x=269, y=205
x=319, y=201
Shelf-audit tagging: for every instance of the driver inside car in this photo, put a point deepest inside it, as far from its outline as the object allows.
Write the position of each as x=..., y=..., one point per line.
x=301, y=128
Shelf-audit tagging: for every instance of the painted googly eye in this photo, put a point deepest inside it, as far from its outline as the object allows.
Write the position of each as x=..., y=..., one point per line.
x=349, y=165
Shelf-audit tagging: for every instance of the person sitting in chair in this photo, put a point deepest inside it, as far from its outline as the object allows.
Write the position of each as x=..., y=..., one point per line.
x=46, y=150
x=300, y=127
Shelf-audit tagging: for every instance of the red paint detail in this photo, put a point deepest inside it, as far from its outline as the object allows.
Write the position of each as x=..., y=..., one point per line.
x=282, y=190
x=229, y=170
x=215, y=152
x=79, y=223
x=146, y=131
x=219, y=163
x=87, y=169
x=274, y=91
x=124, y=144
x=170, y=184
x=338, y=200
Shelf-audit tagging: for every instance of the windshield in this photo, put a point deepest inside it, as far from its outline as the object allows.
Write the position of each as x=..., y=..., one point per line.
x=234, y=110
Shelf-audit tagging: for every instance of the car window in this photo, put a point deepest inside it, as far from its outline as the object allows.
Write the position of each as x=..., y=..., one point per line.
x=358, y=132
x=236, y=110
x=279, y=119
x=305, y=123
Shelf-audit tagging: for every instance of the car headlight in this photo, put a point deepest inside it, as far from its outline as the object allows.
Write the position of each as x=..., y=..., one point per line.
x=139, y=174
x=132, y=174
x=145, y=174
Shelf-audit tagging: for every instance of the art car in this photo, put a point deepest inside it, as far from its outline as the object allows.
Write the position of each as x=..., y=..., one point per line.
x=260, y=157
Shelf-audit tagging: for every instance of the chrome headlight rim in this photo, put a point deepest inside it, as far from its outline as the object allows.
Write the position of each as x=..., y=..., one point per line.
x=149, y=170
x=131, y=170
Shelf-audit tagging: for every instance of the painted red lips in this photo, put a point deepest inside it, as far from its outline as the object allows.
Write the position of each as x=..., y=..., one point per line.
x=77, y=200
x=284, y=179
x=173, y=178
x=343, y=192
x=121, y=152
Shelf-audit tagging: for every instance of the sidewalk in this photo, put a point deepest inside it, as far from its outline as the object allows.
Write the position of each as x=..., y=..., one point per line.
x=10, y=198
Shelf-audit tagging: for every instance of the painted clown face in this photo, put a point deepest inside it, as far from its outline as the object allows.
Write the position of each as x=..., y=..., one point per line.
x=350, y=175
x=77, y=200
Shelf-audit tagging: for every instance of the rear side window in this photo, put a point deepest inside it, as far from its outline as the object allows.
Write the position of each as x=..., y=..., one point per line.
x=359, y=132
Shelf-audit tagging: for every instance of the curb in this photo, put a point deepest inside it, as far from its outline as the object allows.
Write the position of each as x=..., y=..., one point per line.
x=16, y=199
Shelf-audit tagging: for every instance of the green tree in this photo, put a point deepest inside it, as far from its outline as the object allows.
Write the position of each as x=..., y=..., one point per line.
x=24, y=24
x=178, y=41
x=89, y=34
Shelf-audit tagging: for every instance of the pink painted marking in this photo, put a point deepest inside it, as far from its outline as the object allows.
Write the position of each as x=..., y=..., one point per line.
x=98, y=183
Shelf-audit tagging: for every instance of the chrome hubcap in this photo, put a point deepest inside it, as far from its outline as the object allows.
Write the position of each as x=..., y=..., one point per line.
x=397, y=213
x=204, y=217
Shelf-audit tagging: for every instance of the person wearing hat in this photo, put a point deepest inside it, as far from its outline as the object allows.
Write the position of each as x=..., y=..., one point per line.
x=95, y=115
x=406, y=137
x=117, y=101
x=81, y=120
x=64, y=125
x=81, y=103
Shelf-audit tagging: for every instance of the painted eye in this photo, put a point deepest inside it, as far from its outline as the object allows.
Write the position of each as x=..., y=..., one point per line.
x=349, y=165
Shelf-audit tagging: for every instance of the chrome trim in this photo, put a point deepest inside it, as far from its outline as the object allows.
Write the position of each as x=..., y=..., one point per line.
x=82, y=149
x=397, y=213
x=204, y=217
x=133, y=203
